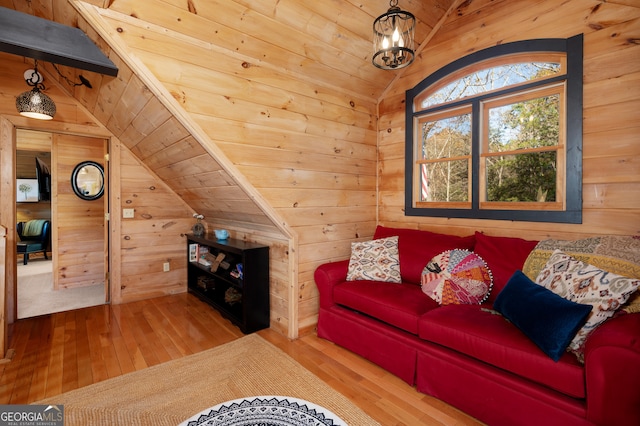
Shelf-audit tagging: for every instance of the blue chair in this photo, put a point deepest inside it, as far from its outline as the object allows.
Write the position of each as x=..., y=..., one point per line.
x=34, y=238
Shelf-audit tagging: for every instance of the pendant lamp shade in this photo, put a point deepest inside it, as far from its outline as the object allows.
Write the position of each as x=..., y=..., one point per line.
x=393, y=38
x=35, y=104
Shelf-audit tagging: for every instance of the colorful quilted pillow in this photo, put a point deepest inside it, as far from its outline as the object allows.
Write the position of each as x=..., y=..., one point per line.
x=589, y=285
x=457, y=277
x=375, y=260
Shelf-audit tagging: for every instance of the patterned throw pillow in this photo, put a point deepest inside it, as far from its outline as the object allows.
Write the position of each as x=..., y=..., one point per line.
x=619, y=254
x=376, y=260
x=589, y=285
x=457, y=277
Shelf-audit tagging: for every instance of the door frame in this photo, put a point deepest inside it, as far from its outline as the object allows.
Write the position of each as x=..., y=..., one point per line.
x=8, y=309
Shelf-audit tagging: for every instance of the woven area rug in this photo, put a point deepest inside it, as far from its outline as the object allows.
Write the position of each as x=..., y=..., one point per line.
x=170, y=393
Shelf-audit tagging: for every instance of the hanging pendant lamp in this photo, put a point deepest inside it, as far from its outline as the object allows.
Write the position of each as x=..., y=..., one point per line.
x=393, y=35
x=34, y=103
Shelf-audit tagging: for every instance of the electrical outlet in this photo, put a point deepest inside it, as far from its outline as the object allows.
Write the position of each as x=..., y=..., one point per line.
x=166, y=267
x=128, y=213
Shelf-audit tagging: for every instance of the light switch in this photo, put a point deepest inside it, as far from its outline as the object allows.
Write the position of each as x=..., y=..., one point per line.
x=128, y=213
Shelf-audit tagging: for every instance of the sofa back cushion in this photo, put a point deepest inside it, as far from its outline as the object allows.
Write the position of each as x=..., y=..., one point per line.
x=504, y=256
x=417, y=247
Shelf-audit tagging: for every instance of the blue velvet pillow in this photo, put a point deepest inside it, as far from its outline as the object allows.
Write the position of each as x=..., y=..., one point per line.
x=549, y=320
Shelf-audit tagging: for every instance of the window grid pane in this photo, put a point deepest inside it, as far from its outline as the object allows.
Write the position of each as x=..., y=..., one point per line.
x=446, y=137
x=533, y=123
x=490, y=79
x=530, y=177
x=444, y=181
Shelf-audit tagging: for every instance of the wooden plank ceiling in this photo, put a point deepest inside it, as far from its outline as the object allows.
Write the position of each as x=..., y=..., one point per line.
x=336, y=34
x=332, y=47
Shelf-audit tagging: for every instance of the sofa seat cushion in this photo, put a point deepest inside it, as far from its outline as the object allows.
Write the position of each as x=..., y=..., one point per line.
x=400, y=305
x=483, y=334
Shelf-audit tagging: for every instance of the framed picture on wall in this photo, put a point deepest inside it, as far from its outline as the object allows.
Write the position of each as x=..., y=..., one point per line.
x=27, y=190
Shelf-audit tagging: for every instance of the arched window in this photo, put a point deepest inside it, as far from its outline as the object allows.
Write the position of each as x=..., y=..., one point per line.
x=498, y=135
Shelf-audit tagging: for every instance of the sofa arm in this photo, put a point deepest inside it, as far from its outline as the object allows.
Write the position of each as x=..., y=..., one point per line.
x=327, y=276
x=612, y=366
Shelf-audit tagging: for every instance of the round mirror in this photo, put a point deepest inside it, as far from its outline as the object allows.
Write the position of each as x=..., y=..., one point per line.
x=87, y=180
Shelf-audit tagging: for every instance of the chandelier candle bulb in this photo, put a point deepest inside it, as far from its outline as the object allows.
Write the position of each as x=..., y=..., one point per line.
x=393, y=38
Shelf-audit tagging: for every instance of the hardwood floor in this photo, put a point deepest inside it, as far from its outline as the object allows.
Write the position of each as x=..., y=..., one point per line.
x=60, y=352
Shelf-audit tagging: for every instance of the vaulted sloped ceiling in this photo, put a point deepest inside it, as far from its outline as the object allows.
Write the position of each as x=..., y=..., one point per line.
x=326, y=43
x=329, y=41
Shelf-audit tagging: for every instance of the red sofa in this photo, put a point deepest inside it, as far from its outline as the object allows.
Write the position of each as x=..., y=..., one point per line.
x=469, y=355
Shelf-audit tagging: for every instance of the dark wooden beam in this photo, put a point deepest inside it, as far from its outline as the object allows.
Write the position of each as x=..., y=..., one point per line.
x=27, y=35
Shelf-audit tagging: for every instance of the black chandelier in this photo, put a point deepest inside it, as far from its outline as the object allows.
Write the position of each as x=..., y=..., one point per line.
x=393, y=34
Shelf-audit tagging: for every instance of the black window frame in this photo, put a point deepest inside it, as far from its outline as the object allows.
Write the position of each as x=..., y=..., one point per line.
x=573, y=49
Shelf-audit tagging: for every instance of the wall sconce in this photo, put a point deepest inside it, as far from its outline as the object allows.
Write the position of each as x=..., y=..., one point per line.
x=393, y=35
x=34, y=103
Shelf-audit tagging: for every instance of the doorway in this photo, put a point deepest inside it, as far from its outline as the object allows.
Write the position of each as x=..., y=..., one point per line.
x=74, y=275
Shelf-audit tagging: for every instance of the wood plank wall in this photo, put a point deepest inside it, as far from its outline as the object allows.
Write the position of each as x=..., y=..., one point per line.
x=611, y=142
x=3, y=296
x=308, y=149
x=155, y=129
x=78, y=226
x=152, y=237
x=130, y=181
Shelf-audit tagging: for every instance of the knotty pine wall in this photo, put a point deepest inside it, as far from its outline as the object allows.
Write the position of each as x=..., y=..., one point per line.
x=308, y=149
x=153, y=237
x=611, y=142
x=78, y=227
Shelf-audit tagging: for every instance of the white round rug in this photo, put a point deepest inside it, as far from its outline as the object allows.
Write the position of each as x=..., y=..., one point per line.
x=265, y=411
